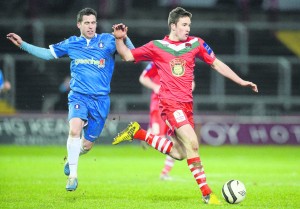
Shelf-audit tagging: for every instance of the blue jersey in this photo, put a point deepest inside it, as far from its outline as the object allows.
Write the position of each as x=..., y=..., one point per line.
x=92, y=62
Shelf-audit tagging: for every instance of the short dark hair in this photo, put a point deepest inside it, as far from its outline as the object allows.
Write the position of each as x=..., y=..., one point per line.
x=177, y=13
x=86, y=11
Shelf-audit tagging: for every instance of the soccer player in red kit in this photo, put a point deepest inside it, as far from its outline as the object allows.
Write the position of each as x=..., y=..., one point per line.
x=174, y=56
x=150, y=79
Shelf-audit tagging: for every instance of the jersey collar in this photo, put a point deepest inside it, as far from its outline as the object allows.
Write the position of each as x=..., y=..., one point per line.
x=166, y=38
x=88, y=40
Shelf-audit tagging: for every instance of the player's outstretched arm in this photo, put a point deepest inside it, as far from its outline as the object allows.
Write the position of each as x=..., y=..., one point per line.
x=120, y=33
x=223, y=69
x=40, y=52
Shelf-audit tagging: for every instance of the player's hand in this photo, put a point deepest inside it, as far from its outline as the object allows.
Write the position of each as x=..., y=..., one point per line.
x=6, y=86
x=17, y=40
x=120, y=31
x=251, y=85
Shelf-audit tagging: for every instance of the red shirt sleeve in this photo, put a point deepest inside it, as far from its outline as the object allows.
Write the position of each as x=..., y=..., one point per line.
x=206, y=54
x=151, y=70
x=143, y=53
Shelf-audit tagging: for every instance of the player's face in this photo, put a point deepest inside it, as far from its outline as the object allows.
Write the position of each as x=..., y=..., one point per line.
x=182, y=29
x=87, y=26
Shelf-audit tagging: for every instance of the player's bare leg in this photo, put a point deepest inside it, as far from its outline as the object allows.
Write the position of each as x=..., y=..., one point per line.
x=178, y=151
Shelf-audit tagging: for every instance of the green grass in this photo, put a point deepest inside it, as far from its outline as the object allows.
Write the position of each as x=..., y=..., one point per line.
x=128, y=177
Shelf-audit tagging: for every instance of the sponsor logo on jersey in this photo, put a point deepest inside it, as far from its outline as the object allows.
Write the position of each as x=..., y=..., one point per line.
x=100, y=63
x=178, y=66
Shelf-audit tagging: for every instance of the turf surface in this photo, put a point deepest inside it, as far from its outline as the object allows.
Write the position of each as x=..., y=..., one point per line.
x=128, y=177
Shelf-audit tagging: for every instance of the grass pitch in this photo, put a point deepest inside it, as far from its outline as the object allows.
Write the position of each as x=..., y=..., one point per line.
x=126, y=176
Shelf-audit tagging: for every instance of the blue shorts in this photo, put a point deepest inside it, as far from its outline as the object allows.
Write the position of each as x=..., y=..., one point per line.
x=92, y=109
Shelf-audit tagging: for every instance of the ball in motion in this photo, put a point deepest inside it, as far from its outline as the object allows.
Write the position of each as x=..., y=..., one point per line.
x=234, y=191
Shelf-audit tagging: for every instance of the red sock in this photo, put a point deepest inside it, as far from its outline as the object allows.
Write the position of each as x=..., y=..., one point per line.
x=140, y=135
x=198, y=173
x=161, y=144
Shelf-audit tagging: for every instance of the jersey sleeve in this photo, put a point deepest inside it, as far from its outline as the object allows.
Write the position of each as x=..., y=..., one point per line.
x=206, y=54
x=143, y=53
x=60, y=49
x=39, y=52
x=128, y=43
x=151, y=70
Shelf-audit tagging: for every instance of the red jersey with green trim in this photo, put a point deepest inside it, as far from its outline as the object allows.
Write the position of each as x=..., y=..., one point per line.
x=175, y=61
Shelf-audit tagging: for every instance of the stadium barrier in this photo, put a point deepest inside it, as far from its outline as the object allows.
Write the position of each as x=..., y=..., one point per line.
x=52, y=129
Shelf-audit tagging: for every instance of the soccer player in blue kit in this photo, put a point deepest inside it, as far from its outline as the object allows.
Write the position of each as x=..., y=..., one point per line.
x=92, y=64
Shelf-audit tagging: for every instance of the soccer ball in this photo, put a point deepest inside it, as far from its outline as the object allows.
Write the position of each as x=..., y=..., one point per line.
x=234, y=191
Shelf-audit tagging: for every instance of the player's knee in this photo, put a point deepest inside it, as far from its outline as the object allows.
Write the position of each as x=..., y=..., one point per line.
x=87, y=145
x=74, y=132
x=86, y=149
x=178, y=156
